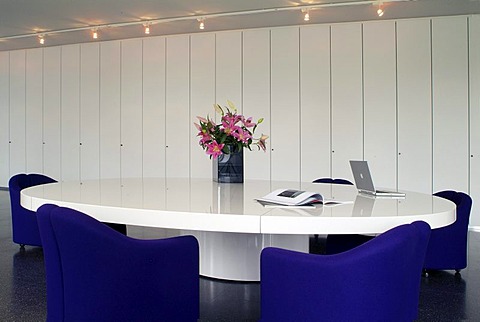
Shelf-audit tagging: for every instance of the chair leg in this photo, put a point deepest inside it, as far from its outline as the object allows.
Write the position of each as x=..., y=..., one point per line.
x=457, y=272
x=22, y=246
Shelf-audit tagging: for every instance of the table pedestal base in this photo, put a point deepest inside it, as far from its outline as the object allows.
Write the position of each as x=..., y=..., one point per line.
x=236, y=256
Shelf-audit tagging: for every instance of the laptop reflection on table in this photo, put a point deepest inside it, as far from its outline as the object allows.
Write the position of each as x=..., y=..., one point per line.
x=363, y=206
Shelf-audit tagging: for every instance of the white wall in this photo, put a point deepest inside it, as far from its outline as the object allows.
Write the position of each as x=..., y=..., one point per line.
x=403, y=95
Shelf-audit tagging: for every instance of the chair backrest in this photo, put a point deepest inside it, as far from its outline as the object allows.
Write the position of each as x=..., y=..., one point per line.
x=97, y=274
x=447, y=248
x=377, y=281
x=24, y=222
x=333, y=181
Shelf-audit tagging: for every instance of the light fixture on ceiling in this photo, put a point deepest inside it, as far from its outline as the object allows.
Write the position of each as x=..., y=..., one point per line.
x=41, y=39
x=380, y=10
x=306, y=17
x=95, y=33
x=201, y=23
x=147, y=28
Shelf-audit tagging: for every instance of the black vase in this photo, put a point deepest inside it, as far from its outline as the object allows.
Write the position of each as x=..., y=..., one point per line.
x=228, y=168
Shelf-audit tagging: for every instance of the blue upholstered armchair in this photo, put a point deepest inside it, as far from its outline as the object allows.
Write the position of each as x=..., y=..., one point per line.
x=95, y=273
x=377, y=281
x=447, y=248
x=24, y=222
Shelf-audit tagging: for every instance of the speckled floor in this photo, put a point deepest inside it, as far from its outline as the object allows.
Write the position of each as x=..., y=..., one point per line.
x=444, y=296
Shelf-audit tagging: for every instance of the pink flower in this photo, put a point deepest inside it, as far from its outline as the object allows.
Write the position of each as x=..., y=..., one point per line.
x=241, y=135
x=248, y=122
x=214, y=149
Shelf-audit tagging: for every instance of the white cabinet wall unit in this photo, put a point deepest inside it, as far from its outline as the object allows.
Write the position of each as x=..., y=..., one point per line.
x=70, y=97
x=285, y=114
x=347, y=98
x=110, y=110
x=202, y=94
x=17, y=112
x=380, y=101
x=179, y=130
x=401, y=94
x=131, y=119
x=315, y=113
x=52, y=137
x=474, y=100
x=34, y=110
x=256, y=98
x=450, y=103
x=414, y=105
x=90, y=111
x=4, y=118
x=154, y=107
x=228, y=68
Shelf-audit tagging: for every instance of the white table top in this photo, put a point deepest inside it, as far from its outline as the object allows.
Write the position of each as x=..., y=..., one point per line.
x=204, y=205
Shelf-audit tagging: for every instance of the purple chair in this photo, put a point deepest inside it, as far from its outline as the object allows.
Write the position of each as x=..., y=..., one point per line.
x=333, y=181
x=95, y=273
x=24, y=222
x=447, y=248
x=377, y=281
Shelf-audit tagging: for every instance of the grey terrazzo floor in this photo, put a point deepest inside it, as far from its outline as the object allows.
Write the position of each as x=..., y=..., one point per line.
x=443, y=297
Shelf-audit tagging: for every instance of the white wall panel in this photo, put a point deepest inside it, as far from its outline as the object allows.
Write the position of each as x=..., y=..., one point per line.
x=256, y=98
x=70, y=112
x=4, y=118
x=90, y=111
x=154, y=107
x=17, y=112
x=34, y=110
x=202, y=97
x=414, y=105
x=285, y=126
x=131, y=108
x=315, y=102
x=51, y=112
x=110, y=110
x=380, y=108
x=474, y=61
x=229, y=68
x=450, y=103
x=179, y=130
x=347, y=107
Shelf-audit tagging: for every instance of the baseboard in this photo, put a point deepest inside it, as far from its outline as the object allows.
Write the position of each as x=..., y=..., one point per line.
x=474, y=228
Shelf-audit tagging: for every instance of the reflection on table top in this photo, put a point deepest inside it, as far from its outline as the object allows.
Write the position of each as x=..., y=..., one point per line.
x=201, y=204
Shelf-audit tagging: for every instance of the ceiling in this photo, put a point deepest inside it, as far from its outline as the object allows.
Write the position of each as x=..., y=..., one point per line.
x=26, y=18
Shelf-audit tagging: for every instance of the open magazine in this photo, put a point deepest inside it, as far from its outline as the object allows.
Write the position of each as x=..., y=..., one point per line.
x=292, y=197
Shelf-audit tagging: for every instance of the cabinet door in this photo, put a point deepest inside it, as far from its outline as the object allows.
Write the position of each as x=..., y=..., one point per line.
x=4, y=119
x=229, y=68
x=110, y=110
x=414, y=105
x=450, y=103
x=70, y=112
x=154, y=107
x=202, y=62
x=51, y=112
x=178, y=123
x=90, y=111
x=256, y=97
x=474, y=62
x=285, y=92
x=34, y=110
x=315, y=114
x=131, y=108
x=347, y=98
x=380, y=108
x=17, y=112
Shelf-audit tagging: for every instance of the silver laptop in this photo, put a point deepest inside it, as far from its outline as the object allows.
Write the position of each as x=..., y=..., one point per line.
x=364, y=182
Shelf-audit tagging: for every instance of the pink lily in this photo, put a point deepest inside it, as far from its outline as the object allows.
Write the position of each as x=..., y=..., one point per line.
x=248, y=122
x=242, y=136
x=214, y=149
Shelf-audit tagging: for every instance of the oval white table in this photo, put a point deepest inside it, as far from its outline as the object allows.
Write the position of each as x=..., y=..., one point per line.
x=231, y=227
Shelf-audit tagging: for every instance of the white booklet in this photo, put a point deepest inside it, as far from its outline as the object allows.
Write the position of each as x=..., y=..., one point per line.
x=291, y=198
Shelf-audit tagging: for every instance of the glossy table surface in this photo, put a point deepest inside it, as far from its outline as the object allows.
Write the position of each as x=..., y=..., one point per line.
x=204, y=205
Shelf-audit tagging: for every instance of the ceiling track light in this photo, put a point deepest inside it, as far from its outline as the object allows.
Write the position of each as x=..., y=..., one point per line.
x=380, y=10
x=95, y=33
x=306, y=16
x=147, y=28
x=201, y=23
x=41, y=39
